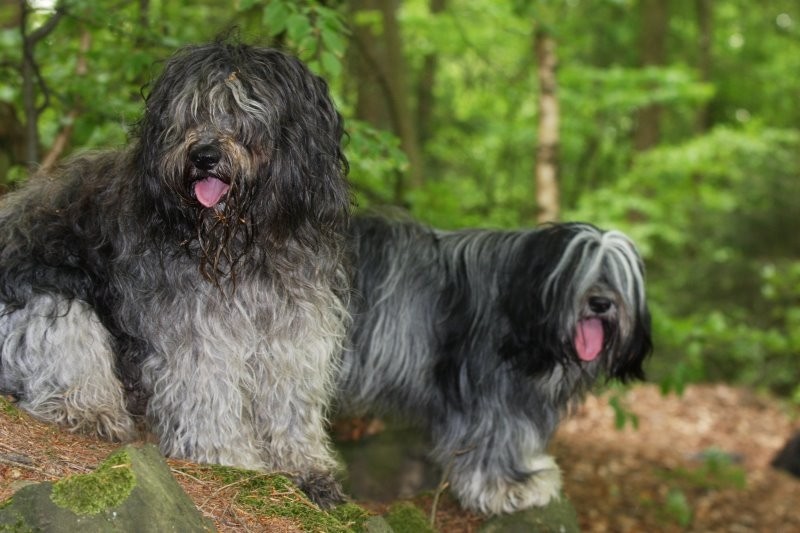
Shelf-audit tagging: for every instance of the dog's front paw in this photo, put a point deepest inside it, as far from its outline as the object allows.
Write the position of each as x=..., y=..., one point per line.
x=108, y=420
x=490, y=494
x=321, y=488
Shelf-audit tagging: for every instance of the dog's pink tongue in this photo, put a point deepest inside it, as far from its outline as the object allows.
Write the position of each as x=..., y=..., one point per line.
x=210, y=190
x=589, y=338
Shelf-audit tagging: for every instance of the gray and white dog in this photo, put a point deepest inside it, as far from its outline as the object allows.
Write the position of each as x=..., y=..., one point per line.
x=200, y=269
x=487, y=338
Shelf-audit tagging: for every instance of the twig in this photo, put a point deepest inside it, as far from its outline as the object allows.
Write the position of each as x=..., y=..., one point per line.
x=444, y=483
x=181, y=472
x=4, y=459
x=236, y=513
x=229, y=485
x=17, y=458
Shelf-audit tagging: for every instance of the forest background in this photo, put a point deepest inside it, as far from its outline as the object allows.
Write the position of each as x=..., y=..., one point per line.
x=676, y=121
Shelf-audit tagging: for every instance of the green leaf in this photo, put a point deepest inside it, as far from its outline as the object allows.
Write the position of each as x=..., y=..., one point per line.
x=244, y=5
x=276, y=15
x=298, y=26
x=331, y=64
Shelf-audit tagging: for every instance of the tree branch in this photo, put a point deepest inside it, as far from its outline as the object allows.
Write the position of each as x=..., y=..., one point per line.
x=45, y=29
x=32, y=78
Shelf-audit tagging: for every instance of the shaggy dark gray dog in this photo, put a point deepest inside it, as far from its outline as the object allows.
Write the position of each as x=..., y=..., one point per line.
x=200, y=268
x=487, y=337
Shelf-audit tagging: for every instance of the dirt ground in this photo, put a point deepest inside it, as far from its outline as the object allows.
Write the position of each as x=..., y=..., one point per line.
x=698, y=462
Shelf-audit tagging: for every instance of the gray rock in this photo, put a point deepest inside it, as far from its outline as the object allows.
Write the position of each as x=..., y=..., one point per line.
x=557, y=517
x=133, y=490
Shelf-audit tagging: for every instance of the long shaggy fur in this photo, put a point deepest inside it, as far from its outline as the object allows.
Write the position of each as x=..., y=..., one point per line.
x=478, y=335
x=199, y=270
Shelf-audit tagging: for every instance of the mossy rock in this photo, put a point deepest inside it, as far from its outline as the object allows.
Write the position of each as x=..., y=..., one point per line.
x=133, y=490
x=89, y=494
x=557, y=517
x=405, y=517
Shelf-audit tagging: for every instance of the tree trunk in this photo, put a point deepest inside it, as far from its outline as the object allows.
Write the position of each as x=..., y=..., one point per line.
x=365, y=60
x=144, y=19
x=383, y=88
x=547, y=191
x=28, y=71
x=427, y=81
x=705, y=34
x=655, y=16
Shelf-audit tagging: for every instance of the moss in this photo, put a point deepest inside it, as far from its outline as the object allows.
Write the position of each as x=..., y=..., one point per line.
x=18, y=527
x=351, y=515
x=106, y=487
x=405, y=517
x=13, y=522
x=8, y=408
x=275, y=496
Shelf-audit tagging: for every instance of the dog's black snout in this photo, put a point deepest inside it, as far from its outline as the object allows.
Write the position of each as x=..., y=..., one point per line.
x=599, y=304
x=205, y=156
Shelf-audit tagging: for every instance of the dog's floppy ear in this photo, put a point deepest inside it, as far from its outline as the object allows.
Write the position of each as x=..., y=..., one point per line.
x=628, y=367
x=307, y=166
x=533, y=322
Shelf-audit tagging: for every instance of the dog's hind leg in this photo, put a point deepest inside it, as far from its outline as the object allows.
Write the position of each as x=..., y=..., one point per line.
x=496, y=463
x=57, y=357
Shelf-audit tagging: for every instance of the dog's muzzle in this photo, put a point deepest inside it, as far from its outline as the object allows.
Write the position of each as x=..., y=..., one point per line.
x=590, y=332
x=210, y=187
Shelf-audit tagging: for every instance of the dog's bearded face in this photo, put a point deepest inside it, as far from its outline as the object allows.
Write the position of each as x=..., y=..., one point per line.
x=591, y=314
x=241, y=145
x=217, y=169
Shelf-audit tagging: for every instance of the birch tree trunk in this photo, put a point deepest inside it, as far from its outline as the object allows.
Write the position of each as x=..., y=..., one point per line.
x=547, y=189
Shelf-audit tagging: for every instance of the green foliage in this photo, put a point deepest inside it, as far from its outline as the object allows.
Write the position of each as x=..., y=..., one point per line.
x=376, y=163
x=622, y=415
x=317, y=32
x=716, y=471
x=677, y=507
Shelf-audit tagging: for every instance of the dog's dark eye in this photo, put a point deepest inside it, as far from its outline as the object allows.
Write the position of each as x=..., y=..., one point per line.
x=599, y=304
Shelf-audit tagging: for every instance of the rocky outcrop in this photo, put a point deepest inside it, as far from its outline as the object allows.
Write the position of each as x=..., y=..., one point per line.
x=132, y=490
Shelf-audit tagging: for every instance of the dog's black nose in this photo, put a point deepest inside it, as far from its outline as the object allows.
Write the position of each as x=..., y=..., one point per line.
x=599, y=304
x=205, y=156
